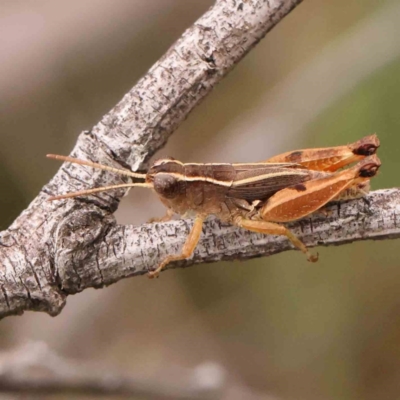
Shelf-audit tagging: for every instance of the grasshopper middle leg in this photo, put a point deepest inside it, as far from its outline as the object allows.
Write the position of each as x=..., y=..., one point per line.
x=272, y=228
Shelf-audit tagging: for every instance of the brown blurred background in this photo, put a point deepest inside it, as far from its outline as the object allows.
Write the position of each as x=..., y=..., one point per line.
x=327, y=75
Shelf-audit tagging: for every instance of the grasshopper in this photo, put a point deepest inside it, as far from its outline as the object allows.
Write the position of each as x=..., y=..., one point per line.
x=258, y=196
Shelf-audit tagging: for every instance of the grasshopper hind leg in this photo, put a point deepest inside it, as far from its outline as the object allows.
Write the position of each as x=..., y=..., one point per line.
x=271, y=228
x=294, y=203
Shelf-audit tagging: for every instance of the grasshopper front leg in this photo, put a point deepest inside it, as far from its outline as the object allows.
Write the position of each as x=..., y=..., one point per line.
x=187, y=250
x=293, y=203
x=167, y=217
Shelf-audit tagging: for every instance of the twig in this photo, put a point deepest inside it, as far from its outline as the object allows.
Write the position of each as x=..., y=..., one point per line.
x=35, y=369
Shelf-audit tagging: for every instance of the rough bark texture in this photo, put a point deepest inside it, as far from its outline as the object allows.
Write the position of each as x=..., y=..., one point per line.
x=134, y=250
x=57, y=248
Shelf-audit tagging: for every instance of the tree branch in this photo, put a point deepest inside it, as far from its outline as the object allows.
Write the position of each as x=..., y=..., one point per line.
x=134, y=250
x=36, y=369
x=55, y=249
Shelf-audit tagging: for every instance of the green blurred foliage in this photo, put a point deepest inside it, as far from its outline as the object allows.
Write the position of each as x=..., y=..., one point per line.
x=372, y=107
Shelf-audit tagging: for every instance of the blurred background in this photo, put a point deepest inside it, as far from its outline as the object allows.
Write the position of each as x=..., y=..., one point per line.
x=281, y=327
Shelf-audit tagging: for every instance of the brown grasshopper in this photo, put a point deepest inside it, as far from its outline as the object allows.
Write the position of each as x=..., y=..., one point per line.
x=255, y=196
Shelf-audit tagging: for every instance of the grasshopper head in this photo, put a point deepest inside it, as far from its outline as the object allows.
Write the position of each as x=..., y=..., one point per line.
x=167, y=177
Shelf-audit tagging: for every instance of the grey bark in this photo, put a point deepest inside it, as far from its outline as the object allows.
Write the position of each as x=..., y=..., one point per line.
x=54, y=249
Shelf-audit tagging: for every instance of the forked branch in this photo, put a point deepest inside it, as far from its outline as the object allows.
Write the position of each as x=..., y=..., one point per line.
x=54, y=249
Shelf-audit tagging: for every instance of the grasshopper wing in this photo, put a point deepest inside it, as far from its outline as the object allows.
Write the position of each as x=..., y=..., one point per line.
x=261, y=180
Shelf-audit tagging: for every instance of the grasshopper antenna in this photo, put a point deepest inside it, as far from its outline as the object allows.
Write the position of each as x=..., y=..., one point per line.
x=99, y=189
x=98, y=166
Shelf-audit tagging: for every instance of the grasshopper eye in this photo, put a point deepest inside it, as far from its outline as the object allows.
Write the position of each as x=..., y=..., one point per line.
x=166, y=185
